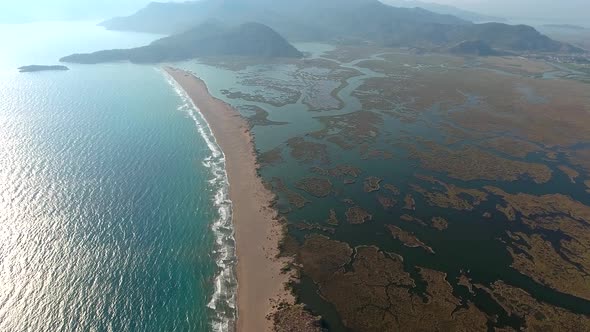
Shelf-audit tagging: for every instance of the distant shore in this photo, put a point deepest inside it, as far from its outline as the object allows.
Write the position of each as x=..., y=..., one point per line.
x=257, y=231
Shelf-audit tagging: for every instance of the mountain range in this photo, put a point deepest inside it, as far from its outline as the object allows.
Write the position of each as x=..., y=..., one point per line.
x=342, y=21
x=207, y=39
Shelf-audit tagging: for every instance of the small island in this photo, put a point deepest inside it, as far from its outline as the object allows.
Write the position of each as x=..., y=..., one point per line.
x=35, y=68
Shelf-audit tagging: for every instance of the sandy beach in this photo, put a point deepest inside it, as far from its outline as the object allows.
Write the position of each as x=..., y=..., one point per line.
x=257, y=231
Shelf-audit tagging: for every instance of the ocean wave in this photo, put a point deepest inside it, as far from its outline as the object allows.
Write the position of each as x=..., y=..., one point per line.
x=223, y=300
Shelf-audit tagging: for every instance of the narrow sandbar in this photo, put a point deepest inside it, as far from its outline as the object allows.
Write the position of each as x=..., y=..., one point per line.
x=257, y=231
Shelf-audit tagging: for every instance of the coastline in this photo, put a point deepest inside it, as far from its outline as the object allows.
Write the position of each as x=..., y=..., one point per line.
x=257, y=232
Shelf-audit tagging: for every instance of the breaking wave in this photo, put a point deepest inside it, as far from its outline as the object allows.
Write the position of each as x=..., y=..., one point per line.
x=223, y=300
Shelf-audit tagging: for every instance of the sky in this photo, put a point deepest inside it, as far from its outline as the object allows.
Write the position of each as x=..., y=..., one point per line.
x=554, y=11
x=561, y=11
x=14, y=11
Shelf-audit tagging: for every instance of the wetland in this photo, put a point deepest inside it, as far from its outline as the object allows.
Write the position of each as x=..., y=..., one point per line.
x=423, y=190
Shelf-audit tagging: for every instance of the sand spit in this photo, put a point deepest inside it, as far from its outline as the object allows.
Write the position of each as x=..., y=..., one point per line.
x=261, y=284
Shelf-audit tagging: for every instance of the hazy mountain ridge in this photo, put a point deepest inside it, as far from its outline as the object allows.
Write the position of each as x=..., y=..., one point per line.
x=209, y=39
x=564, y=26
x=330, y=20
x=444, y=9
x=305, y=19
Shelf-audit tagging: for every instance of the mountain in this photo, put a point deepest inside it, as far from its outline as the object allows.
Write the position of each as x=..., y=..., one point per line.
x=444, y=9
x=296, y=20
x=209, y=39
x=342, y=21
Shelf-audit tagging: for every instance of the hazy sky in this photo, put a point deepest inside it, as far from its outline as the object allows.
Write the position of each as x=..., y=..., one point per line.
x=16, y=10
x=561, y=11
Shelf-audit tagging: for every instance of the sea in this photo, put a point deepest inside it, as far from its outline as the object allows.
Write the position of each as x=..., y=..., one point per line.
x=114, y=213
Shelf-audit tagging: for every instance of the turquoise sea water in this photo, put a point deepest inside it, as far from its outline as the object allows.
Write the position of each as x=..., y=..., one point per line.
x=108, y=185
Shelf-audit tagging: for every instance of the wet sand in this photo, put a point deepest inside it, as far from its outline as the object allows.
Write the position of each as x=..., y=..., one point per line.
x=257, y=231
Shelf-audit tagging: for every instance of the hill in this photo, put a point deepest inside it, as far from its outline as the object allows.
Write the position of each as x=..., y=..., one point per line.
x=209, y=39
x=518, y=38
x=342, y=21
x=473, y=47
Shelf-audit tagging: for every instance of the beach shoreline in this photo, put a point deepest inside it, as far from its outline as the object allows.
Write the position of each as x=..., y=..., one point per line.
x=257, y=231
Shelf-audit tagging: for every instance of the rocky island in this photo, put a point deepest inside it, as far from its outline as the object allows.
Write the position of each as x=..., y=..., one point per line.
x=35, y=68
